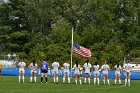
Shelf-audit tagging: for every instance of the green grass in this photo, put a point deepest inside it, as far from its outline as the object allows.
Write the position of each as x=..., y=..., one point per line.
x=9, y=84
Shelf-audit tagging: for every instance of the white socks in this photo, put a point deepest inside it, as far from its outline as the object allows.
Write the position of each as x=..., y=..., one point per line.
x=68, y=80
x=94, y=81
x=125, y=82
x=89, y=80
x=54, y=79
x=128, y=82
x=23, y=78
x=30, y=79
x=63, y=80
x=98, y=80
x=57, y=79
x=115, y=81
x=104, y=81
x=108, y=82
x=80, y=81
x=85, y=79
x=19, y=77
x=119, y=81
x=76, y=81
x=35, y=79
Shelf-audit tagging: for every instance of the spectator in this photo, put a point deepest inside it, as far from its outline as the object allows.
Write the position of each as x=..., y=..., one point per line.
x=128, y=58
x=9, y=57
x=14, y=57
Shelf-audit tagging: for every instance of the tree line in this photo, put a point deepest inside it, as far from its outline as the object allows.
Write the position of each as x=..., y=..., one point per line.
x=41, y=29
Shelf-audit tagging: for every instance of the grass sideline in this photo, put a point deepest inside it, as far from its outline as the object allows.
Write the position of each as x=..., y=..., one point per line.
x=9, y=84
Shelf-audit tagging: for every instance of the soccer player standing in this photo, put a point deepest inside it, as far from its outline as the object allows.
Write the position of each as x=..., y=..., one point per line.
x=118, y=69
x=0, y=68
x=96, y=73
x=21, y=66
x=55, y=66
x=33, y=68
x=127, y=69
x=44, y=71
x=105, y=68
x=87, y=67
x=77, y=72
x=66, y=72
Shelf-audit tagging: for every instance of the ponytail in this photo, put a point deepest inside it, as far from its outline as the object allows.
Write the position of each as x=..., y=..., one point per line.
x=76, y=64
x=87, y=62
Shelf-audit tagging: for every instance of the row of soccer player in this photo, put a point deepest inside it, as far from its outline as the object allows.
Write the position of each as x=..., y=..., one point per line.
x=77, y=72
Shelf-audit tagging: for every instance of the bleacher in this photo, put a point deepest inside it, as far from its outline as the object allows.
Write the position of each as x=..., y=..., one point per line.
x=8, y=62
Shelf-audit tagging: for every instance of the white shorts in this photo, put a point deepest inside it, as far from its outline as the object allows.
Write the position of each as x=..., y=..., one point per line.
x=127, y=72
x=105, y=72
x=76, y=72
x=96, y=73
x=117, y=73
x=66, y=71
x=21, y=71
x=33, y=71
x=87, y=71
x=55, y=71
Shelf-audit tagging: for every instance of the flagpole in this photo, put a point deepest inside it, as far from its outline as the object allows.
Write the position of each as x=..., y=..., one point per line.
x=71, y=46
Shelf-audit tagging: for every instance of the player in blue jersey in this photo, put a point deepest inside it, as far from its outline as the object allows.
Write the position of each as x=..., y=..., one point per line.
x=44, y=71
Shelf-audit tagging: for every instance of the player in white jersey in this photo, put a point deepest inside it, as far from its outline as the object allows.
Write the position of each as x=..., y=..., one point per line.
x=118, y=69
x=21, y=66
x=55, y=66
x=127, y=69
x=87, y=67
x=66, y=72
x=33, y=70
x=105, y=69
x=77, y=72
x=96, y=73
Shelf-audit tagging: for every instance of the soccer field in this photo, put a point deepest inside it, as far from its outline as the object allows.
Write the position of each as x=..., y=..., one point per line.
x=9, y=84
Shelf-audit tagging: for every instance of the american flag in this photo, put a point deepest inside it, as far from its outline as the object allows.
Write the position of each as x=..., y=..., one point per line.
x=85, y=52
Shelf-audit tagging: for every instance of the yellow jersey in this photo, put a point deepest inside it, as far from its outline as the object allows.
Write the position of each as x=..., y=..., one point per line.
x=0, y=66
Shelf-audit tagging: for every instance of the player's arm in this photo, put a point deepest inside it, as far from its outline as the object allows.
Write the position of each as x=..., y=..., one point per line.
x=109, y=68
x=36, y=66
x=120, y=68
x=24, y=65
x=130, y=68
x=30, y=66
